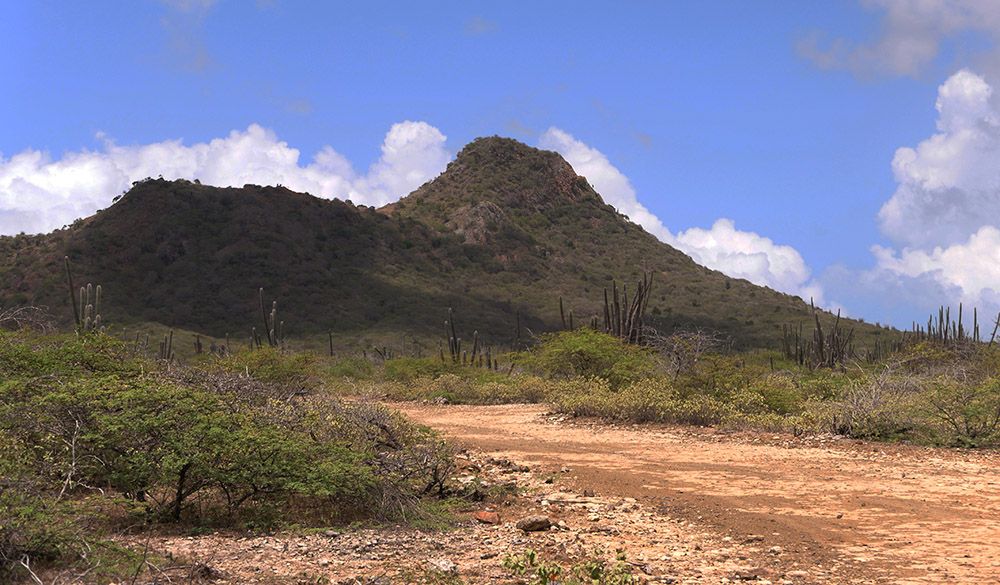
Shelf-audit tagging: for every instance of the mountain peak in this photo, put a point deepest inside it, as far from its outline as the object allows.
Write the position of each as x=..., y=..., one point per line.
x=500, y=171
x=504, y=231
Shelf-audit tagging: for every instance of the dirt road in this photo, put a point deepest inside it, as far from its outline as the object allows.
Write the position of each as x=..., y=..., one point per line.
x=889, y=514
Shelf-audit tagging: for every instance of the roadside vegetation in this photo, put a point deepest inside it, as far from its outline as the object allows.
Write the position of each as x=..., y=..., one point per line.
x=928, y=393
x=97, y=442
x=102, y=438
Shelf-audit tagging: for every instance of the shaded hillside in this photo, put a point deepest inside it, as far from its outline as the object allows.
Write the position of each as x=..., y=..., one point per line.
x=505, y=229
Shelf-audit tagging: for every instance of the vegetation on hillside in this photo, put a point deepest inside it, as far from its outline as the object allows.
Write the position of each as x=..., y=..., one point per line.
x=480, y=238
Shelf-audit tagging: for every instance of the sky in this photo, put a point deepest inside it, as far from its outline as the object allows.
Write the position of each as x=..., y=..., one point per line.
x=840, y=151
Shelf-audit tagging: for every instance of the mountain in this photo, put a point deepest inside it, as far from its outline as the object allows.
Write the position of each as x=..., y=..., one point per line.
x=506, y=230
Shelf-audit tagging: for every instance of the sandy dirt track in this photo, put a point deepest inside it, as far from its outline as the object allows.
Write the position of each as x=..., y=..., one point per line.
x=893, y=514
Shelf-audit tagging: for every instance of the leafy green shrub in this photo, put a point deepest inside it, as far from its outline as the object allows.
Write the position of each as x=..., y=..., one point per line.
x=162, y=444
x=293, y=371
x=407, y=369
x=357, y=368
x=200, y=446
x=779, y=393
x=961, y=413
x=589, y=354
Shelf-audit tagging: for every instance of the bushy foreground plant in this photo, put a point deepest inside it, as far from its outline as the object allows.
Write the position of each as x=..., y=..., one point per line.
x=80, y=420
x=589, y=354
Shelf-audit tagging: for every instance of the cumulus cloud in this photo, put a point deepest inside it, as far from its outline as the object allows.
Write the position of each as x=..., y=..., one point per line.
x=39, y=193
x=945, y=212
x=949, y=184
x=751, y=256
x=740, y=254
x=971, y=268
x=911, y=36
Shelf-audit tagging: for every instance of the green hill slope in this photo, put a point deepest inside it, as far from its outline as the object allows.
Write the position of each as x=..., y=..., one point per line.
x=505, y=230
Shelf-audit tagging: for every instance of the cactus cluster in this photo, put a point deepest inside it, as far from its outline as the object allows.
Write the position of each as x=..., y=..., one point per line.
x=623, y=318
x=273, y=328
x=835, y=349
x=166, y=352
x=831, y=349
x=86, y=303
x=481, y=357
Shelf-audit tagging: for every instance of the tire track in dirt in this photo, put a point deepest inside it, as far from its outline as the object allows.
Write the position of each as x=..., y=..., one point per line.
x=893, y=514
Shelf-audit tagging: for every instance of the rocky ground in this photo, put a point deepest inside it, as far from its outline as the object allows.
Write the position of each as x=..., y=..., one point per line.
x=685, y=506
x=561, y=524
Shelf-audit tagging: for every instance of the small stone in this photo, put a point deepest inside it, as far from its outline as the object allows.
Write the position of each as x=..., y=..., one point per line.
x=487, y=517
x=443, y=565
x=775, y=550
x=535, y=523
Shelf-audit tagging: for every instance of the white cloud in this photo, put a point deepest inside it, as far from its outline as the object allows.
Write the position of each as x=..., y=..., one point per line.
x=971, y=268
x=949, y=185
x=724, y=248
x=751, y=256
x=945, y=211
x=911, y=35
x=39, y=193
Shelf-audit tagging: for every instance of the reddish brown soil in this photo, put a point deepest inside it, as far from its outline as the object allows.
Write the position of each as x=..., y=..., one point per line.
x=858, y=512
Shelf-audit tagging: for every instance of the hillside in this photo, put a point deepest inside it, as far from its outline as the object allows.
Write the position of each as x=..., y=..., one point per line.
x=506, y=229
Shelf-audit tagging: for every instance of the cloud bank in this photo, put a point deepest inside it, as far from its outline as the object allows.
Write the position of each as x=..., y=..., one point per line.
x=948, y=185
x=944, y=217
x=39, y=193
x=911, y=36
x=722, y=247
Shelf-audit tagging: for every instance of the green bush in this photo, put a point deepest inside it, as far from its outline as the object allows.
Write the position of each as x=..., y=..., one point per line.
x=357, y=368
x=270, y=365
x=589, y=354
x=961, y=413
x=162, y=444
x=201, y=446
x=779, y=393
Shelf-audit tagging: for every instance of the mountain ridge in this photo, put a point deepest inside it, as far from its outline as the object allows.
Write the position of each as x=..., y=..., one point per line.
x=500, y=235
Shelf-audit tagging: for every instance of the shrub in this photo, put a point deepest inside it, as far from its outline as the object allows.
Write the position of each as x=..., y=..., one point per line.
x=358, y=368
x=780, y=393
x=203, y=446
x=407, y=369
x=876, y=406
x=589, y=354
x=966, y=414
x=596, y=569
x=290, y=371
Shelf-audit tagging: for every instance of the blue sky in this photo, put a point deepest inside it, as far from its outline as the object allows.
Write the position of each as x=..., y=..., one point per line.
x=783, y=117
